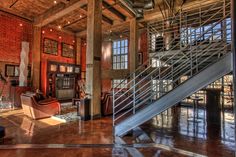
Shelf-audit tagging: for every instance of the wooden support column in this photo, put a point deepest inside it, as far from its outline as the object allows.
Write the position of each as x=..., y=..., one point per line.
x=133, y=45
x=35, y=75
x=78, y=51
x=93, y=56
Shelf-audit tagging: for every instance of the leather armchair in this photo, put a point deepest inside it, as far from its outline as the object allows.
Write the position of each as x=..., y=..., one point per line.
x=41, y=109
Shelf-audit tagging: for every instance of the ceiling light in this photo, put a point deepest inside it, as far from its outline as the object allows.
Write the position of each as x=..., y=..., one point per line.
x=59, y=27
x=59, y=37
x=55, y=2
x=50, y=30
x=43, y=32
x=80, y=16
x=21, y=24
x=68, y=22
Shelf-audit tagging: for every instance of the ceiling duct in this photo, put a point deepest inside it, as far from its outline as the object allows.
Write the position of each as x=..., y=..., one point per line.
x=143, y=4
x=138, y=6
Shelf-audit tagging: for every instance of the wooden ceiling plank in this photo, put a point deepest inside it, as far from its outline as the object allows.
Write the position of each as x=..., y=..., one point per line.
x=107, y=20
x=114, y=11
x=106, y=28
x=13, y=3
x=57, y=12
x=16, y=14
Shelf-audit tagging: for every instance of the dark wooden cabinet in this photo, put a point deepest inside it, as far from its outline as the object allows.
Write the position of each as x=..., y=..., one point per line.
x=62, y=80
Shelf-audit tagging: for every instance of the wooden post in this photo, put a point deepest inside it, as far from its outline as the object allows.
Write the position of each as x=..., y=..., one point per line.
x=133, y=45
x=93, y=56
x=36, y=58
x=78, y=51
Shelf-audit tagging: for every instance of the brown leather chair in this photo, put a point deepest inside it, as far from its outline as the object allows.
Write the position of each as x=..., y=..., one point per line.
x=41, y=109
x=107, y=103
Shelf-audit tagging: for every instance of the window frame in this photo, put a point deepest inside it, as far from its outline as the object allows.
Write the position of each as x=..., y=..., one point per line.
x=125, y=54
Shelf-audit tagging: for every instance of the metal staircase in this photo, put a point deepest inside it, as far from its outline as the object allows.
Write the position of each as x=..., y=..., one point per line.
x=198, y=48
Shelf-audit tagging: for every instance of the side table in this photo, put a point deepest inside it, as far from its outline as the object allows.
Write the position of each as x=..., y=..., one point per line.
x=76, y=101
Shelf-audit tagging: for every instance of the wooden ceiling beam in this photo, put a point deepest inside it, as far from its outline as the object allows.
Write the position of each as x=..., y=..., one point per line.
x=114, y=11
x=130, y=10
x=57, y=12
x=106, y=28
x=104, y=18
x=107, y=20
x=13, y=13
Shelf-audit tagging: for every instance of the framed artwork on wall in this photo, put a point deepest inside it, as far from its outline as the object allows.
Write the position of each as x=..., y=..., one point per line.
x=50, y=46
x=68, y=50
x=12, y=70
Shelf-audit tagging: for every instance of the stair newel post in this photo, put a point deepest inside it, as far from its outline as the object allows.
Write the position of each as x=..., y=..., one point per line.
x=113, y=100
x=154, y=95
x=172, y=73
x=134, y=92
x=191, y=56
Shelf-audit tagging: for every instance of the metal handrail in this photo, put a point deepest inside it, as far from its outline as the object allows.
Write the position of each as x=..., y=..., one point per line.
x=143, y=79
x=139, y=68
x=199, y=57
x=173, y=47
x=148, y=98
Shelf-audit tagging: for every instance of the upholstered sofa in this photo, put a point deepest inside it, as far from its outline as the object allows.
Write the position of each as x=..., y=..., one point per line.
x=39, y=109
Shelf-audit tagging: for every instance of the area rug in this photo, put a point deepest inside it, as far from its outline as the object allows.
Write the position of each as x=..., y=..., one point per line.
x=67, y=117
x=68, y=113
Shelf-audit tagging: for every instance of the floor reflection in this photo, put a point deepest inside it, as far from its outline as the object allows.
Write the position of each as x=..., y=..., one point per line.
x=178, y=127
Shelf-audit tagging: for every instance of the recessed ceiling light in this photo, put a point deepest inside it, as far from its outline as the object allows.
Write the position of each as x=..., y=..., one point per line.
x=59, y=27
x=55, y=2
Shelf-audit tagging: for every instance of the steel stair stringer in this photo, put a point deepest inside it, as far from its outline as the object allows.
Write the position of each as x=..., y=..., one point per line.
x=213, y=72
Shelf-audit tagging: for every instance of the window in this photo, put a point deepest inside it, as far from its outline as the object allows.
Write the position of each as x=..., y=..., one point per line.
x=121, y=83
x=157, y=42
x=156, y=63
x=228, y=29
x=120, y=54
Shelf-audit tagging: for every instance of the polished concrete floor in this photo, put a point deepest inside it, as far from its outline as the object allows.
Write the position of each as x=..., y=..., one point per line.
x=173, y=133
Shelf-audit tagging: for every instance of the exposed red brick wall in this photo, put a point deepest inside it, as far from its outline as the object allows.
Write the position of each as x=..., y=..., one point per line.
x=143, y=45
x=106, y=85
x=13, y=30
x=106, y=55
x=60, y=37
x=83, y=55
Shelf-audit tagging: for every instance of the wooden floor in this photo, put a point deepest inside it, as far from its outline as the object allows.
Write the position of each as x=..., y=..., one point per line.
x=48, y=137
